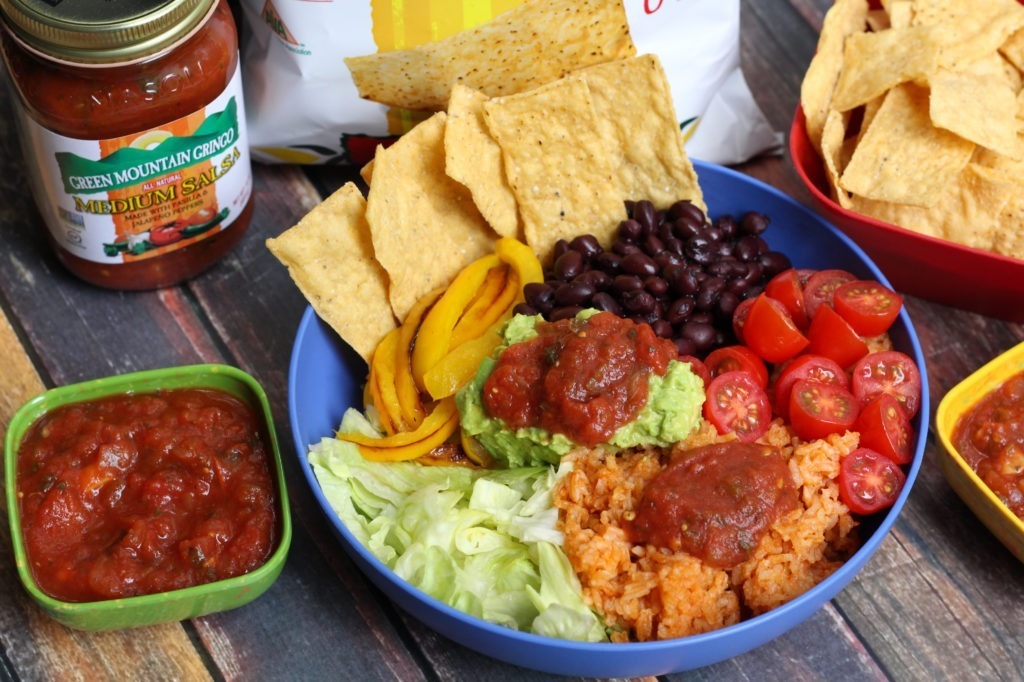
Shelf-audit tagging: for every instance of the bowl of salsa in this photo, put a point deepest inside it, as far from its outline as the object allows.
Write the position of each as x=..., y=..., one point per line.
x=981, y=425
x=149, y=497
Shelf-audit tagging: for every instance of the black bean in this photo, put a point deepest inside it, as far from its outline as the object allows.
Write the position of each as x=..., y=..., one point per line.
x=563, y=313
x=524, y=309
x=727, y=303
x=539, y=295
x=656, y=285
x=629, y=230
x=645, y=214
x=666, y=259
x=754, y=223
x=710, y=290
x=561, y=246
x=574, y=293
x=604, y=301
x=607, y=261
x=624, y=283
x=568, y=265
x=702, y=334
x=746, y=249
x=728, y=227
x=680, y=310
x=624, y=248
x=586, y=244
x=639, y=264
x=653, y=245
x=700, y=250
x=773, y=263
x=599, y=279
x=686, y=228
x=686, y=208
x=683, y=280
x=685, y=346
x=638, y=301
x=662, y=328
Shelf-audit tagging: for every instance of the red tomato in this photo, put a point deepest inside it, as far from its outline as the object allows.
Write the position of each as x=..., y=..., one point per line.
x=735, y=403
x=832, y=336
x=817, y=410
x=870, y=307
x=732, y=358
x=698, y=368
x=884, y=428
x=869, y=482
x=811, y=367
x=770, y=332
x=787, y=288
x=167, y=233
x=739, y=317
x=889, y=372
x=820, y=288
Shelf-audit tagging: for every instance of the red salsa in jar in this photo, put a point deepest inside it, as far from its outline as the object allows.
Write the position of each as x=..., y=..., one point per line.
x=581, y=378
x=142, y=493
x=716, y=501
x=990, y=438
x=133, y=129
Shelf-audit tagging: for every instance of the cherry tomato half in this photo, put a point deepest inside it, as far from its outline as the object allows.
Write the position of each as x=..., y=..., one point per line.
x=732, y=358
x=735, y=403
x=885, y=429
x=870, y=307
x=832, y=336
x=739, y=318
x=869, y=482
x=770, y=332
x=787, y=288
x=821, y=287
x=889, y=372
x=807, y=366
x=697, y=367
x=817, y=410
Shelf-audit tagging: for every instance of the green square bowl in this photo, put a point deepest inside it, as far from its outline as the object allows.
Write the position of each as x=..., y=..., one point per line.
x=174, y=605
x=985, y=504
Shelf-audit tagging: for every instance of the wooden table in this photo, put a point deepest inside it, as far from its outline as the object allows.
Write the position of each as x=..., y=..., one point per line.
x=941, y=598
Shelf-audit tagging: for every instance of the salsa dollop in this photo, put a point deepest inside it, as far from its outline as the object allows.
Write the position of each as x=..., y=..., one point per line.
x=582, y=378
x=142, y=493
x=716, y=501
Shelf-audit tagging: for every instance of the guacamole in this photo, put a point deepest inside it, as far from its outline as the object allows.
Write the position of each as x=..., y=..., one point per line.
x=671, y=412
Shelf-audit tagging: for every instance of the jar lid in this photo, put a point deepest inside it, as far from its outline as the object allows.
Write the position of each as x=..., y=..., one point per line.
x=102, y=31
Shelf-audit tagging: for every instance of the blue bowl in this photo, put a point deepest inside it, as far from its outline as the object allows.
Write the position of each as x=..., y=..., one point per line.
x=326, y=376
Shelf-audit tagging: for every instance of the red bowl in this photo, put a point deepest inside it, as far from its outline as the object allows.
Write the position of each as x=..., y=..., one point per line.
x=916, y=264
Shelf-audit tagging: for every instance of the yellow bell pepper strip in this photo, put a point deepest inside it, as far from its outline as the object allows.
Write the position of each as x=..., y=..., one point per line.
x=478, y=319
x=458, y=366
x=435, y=333
x=435, y=429
x=382, y=369
x=409, y=399
x=474, y=451
x=522, y=259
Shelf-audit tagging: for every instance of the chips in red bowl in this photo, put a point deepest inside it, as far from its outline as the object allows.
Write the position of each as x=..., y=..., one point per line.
x=917, y=264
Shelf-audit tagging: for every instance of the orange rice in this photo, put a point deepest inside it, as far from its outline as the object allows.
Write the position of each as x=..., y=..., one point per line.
x=647, y=593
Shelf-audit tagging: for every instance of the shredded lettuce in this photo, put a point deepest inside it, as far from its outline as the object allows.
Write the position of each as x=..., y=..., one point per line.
x=483, y=541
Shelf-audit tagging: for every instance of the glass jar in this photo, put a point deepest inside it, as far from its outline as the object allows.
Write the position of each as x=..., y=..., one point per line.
x=133, y=126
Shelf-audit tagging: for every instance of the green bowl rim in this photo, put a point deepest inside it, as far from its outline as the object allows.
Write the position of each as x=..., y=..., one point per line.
x=37, y=406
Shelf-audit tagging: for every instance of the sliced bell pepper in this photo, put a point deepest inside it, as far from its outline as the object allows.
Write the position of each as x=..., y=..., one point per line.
x=522, y=259
x=435, y=333
x=382, y=383
x=435, y=429
x=478, y=319
x=458, y=366
x=409, y=398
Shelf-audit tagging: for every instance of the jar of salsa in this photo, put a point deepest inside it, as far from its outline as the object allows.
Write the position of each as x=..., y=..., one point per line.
x=133, y=126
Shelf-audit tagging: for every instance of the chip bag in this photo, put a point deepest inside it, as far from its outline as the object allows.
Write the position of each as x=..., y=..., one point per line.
x=327, y=82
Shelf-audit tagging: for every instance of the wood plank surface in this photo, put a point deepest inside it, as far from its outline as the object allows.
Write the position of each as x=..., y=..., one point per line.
x=940, y=600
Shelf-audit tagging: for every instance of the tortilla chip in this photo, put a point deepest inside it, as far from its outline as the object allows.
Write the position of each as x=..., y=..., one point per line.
x=878, y=20
x=873, y=63
x=559, y=163
x=968, y=29
x=530, y=45
x=632, y=99
x=902, y=157
x=901, y=13
x=424, y=225
x=329, y=256
x=833, y=152
x=844, y=18
x=473, y=158
x=1013, y=49
x=979, y=108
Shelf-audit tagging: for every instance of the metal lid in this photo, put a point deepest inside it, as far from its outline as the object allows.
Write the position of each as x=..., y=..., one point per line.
x=102, y=31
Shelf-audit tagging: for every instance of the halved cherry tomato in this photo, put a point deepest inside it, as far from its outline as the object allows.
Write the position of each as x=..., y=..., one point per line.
x=821, y=287
x=817, y=410
x=770, y=332
x=807, y=366
x=732, y=358
x=891, y=372
x=737, y=404
x=787, y=288
x=832, y=336
x=884, y=428
x=739, y=318
x=698, y=367
x=870, y=307
x=868, y=481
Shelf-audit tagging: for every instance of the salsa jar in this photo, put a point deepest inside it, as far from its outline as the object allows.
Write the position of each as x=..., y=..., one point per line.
x=132, y=122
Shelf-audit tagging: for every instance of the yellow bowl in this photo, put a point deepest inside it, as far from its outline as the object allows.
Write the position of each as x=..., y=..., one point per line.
x=996, y=516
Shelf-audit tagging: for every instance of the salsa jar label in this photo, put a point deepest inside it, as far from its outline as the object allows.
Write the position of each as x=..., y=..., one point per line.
x=143, y=195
